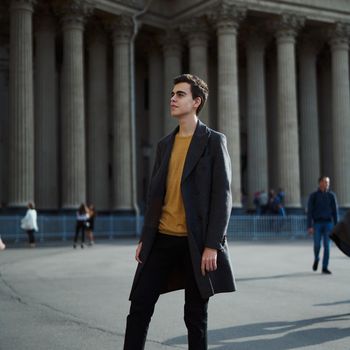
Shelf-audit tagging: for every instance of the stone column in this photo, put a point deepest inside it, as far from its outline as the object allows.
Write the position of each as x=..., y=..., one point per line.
x=340, y=113
x=325, y=120
x=97, y=118
x=309, y=126
x=288, y=174
x=172, y=52
x=256, y=115
x=21, y=128
x=73, y=105
x=197, y=35
x=155, y=83
x=228, y=18
x=271, y=107
x=46, y=123
x=4, y=116
x=122, y=156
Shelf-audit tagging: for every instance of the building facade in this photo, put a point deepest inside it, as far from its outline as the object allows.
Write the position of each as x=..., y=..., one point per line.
x=85, y=88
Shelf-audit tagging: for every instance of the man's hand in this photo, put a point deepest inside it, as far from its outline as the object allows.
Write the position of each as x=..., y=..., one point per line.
x=208, y=263
x=310, y=230
x=138, y=251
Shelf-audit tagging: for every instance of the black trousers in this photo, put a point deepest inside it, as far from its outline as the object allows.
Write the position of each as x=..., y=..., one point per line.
x=31, y=236
x=80, y=226
x=167, y=252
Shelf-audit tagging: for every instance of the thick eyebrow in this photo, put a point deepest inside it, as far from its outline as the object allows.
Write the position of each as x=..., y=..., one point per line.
x=178, y=92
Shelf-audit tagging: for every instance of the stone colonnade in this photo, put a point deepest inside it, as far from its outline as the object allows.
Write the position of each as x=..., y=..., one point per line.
x=60, y=147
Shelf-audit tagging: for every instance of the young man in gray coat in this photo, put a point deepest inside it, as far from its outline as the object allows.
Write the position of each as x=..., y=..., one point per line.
x=183, y=242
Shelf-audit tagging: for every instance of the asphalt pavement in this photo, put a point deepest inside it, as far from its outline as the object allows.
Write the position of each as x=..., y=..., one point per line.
x=55, y=298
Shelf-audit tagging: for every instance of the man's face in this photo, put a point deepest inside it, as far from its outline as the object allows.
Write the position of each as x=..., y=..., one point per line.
x=182, y=103
x=324, y=184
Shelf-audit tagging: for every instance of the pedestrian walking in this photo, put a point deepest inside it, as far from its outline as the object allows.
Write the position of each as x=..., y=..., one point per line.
x=91, y=224
x=2, y=244
x=29, y=224
x=322, y=215
x=81, y=225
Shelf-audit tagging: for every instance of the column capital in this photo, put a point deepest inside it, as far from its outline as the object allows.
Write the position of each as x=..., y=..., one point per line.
x=122, y=27
x=4, y=25
x=196, y=31
x=339, y=36
x=171, y=42
x=73, y=12
x=27, y=5
x=43, y=18
x=96, y=31
x=150, y=43
x=309, y=43
x=287, y=27
x=256, y=36
x=227, y=16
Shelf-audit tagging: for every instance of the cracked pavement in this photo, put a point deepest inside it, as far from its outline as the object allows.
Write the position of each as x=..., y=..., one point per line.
x=55, y=297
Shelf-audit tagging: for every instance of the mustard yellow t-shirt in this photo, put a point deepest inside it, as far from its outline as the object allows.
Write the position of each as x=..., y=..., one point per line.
x=173, y=217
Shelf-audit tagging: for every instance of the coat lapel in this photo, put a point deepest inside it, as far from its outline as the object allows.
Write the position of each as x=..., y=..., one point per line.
x=196, y=149
x=166, y=155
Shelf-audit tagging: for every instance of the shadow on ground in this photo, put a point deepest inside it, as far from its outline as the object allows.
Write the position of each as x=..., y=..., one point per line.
x=281, y=335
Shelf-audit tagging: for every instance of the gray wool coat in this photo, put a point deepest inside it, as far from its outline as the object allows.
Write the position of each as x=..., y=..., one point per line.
x=205, y=187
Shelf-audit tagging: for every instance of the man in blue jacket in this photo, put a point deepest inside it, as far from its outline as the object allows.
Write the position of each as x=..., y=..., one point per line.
x=322, y=215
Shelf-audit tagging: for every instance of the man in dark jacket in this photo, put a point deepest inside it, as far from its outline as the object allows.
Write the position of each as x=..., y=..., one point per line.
x=322, y=215
x=183, y=242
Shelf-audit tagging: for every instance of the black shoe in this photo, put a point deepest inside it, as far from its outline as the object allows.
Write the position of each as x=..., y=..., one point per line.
x=74, y=246
x=315, y=265
x=82, y=246
x=326, y=271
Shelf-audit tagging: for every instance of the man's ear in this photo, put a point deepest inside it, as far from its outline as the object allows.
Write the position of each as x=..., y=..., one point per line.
x=197, y=102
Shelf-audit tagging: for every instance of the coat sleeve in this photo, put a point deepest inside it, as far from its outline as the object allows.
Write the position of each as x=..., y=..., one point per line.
x=220, y=200
x=335, y=209
x=156, y=166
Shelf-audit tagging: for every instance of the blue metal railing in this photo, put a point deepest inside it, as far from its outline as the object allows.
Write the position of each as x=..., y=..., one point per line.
x=242, y=227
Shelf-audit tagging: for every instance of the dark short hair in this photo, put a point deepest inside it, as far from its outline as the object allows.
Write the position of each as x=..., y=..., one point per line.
x=199, y=87
x=322, y=177
x=31, y=205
